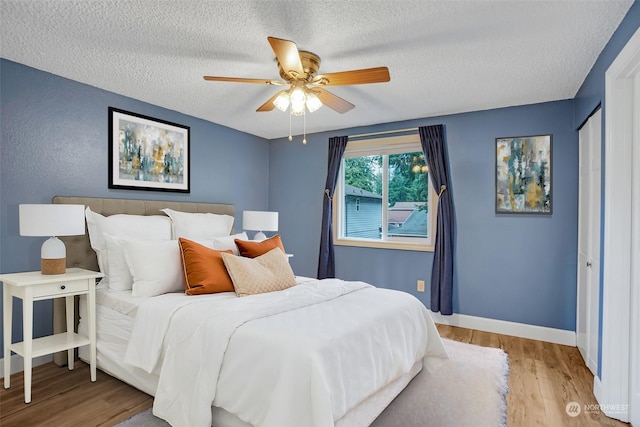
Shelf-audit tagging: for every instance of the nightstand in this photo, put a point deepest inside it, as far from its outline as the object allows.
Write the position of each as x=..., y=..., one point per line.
x=34, y=286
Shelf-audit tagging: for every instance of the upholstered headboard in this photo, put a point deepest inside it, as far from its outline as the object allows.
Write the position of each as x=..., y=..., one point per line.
x=79, y=251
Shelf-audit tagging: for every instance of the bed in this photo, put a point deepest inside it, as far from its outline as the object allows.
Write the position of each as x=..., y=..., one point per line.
x=319, y=353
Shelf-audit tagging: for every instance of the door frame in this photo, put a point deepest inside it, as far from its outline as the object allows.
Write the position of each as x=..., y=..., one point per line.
x=612, y=386
x=587, y=333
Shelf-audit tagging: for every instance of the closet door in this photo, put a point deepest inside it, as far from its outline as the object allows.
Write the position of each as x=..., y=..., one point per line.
x=588, y=297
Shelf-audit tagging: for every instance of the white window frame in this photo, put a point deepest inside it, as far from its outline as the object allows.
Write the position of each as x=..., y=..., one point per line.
x=387, y=145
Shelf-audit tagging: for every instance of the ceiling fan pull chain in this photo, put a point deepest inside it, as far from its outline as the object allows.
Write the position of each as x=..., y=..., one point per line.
x=290, y=137
x=304, y=128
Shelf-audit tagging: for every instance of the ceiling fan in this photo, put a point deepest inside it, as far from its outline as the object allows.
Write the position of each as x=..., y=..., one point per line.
x=298, y=69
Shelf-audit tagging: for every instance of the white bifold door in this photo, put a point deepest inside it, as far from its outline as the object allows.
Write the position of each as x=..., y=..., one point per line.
x=588, y=298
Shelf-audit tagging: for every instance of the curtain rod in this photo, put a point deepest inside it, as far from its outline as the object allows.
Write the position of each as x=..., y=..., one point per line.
x=360, y=135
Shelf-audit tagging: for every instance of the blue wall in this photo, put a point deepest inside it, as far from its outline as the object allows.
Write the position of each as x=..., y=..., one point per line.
x=53, y=141
x=589, y=96
x=519, y=268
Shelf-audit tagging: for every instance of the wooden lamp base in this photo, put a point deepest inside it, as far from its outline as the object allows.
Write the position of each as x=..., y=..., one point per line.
x=53, y=266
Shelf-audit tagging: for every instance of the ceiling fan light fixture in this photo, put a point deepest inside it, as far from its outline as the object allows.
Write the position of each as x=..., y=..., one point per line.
x=282, y=101
x=313, y=102
x=298, y=100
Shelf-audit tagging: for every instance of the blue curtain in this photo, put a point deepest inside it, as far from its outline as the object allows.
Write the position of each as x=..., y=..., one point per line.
x=434, y=148
x=326, y=260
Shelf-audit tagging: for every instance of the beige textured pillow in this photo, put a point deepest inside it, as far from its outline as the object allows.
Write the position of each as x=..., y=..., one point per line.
x=266, y=273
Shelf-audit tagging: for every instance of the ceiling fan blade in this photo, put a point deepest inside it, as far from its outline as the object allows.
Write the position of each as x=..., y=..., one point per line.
x=269, y=105
x=243, y=80
x=332, y=101
x=288, y=56
x=353, y=77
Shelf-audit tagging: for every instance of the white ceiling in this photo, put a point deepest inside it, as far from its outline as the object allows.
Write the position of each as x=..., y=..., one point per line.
x=443, y=56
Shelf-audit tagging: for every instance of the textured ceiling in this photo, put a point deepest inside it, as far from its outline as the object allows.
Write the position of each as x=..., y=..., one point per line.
x=443, y=56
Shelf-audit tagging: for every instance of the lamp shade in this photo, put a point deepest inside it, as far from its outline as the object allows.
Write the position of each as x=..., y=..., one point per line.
x=260, y=220
x=51, y=220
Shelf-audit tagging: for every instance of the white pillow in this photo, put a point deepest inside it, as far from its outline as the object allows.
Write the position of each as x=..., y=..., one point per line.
x=228, y=242
x=151, y=227
x=199, y=226
x=120, y=278
x=155, y=267
x=94, y=220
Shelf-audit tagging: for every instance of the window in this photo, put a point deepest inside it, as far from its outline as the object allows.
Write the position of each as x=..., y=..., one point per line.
x=384, y=197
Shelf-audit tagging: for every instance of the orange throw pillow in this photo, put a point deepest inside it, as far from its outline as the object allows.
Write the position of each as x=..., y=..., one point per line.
x=204, y=270
x=252, y=249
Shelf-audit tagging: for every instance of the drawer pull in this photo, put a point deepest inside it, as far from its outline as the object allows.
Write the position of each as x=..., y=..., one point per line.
x=63, y=287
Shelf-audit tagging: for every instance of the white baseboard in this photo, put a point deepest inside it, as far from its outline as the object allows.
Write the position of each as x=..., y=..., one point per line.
x=17, y=363
x=592, y=365
x=610, y=409
x=597, y=388
x=522, y=330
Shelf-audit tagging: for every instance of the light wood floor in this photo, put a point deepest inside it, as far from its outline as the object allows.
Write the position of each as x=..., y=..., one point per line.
x=543, y=379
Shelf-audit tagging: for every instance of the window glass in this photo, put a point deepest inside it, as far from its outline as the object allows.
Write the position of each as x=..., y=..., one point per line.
x=362, y=197
x=407, y=209
x=384, y=197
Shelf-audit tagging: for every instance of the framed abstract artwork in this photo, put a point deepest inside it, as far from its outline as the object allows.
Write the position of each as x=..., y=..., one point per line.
x=147, y=153
x=523, y=175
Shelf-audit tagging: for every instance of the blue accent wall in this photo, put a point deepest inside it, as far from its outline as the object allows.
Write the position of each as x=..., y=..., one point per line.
x=53, y=141
x=519, y=268
x=591, y=95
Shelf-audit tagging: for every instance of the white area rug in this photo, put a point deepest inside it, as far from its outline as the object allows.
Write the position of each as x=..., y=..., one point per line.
x=468, y=390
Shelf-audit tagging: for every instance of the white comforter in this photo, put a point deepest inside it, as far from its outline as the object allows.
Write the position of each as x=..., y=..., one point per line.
x=300, y=357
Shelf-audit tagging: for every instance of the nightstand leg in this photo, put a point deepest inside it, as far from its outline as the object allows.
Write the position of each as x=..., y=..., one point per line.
x=70, y=309
x=27, y=333
x=91, y=300
x=7, y=315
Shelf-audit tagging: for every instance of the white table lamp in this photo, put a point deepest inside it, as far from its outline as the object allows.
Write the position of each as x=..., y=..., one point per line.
x=260, y=221
x=52, y=220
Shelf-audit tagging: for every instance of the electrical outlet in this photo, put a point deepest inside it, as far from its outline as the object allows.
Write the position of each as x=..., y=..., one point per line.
x=420, y=285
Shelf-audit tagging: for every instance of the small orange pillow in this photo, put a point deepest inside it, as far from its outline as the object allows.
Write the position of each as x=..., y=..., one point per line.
x=204, y=270
x=252, y=249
